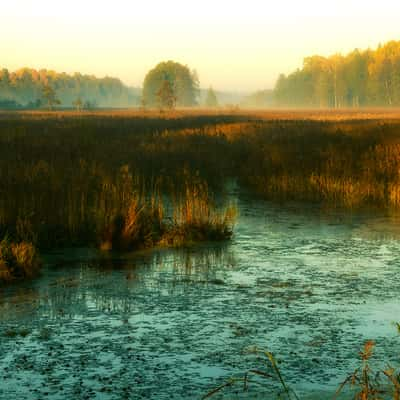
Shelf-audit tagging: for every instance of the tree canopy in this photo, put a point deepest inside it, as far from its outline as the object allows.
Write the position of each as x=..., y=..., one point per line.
x=183, y=83
x=360, y=78
x=166, y=95
x=25, y=88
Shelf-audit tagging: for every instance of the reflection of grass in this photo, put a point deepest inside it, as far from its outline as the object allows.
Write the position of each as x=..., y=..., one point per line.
x=12, y=333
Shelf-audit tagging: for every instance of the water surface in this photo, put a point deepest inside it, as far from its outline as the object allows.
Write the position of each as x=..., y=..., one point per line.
x=308, y=284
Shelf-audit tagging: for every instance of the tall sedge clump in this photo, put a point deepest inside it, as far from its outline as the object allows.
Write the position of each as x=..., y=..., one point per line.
x=195, y=216
x=18, y=260
x=130, y=218
x=142, y=223
x=139, y=226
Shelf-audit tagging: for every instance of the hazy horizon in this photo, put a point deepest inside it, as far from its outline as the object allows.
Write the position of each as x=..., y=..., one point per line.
x=234, y=46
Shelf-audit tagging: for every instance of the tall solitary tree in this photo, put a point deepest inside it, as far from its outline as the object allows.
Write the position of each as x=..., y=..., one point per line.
x=181, y=81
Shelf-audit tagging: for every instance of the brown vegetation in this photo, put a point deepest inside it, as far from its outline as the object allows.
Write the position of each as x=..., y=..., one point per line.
x=126, y=180
x=363, y=383
x=18, y=261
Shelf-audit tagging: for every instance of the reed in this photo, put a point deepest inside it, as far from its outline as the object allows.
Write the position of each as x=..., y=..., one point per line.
x=367, y=383
x=341, y=163
x=195, y=217
x=271, y=374
x=106, y=178
x=364, y=382
x=18, y=260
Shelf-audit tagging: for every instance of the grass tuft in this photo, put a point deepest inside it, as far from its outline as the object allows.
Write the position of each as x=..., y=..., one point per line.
x=18, y=260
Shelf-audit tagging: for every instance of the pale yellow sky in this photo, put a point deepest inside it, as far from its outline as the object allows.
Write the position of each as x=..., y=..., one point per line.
x=234, y=45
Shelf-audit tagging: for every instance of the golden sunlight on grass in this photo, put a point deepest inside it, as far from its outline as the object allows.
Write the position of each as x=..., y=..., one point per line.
x=127, y=180
x=18, y=260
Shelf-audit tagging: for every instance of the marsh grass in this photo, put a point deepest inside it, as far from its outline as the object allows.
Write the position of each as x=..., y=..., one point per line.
x=271, y=375
x=139, y=224
x=364, y=382
x=367, y=383
x=195, y=217
x=363, y=378
x=18, y=260
x=90, y=179
x=107, y=178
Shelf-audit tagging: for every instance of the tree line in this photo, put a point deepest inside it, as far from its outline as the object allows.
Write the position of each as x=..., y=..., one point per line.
x=168, y=85
x=360, y=78
x=357, y=79
x=30, y=88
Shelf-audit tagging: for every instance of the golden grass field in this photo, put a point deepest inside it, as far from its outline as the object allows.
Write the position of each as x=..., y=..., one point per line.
x=267, y=114
x=108, y=178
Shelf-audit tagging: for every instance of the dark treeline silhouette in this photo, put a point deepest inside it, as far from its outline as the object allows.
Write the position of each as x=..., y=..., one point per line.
x=25, y=88
x=360, y=78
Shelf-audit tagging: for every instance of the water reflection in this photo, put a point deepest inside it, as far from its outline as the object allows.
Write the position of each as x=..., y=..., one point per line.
x=111, y=283
x=307, y=283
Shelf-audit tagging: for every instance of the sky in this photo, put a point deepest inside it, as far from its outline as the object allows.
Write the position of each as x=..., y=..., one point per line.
x=234, y=45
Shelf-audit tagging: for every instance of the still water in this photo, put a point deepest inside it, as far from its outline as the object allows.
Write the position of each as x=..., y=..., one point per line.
x=308, y=284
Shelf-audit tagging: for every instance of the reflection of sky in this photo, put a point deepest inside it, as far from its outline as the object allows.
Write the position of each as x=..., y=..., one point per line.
x=126, y=38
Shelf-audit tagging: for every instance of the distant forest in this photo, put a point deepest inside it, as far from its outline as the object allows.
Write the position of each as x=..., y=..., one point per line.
x=24, y=89
x=360, y=78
